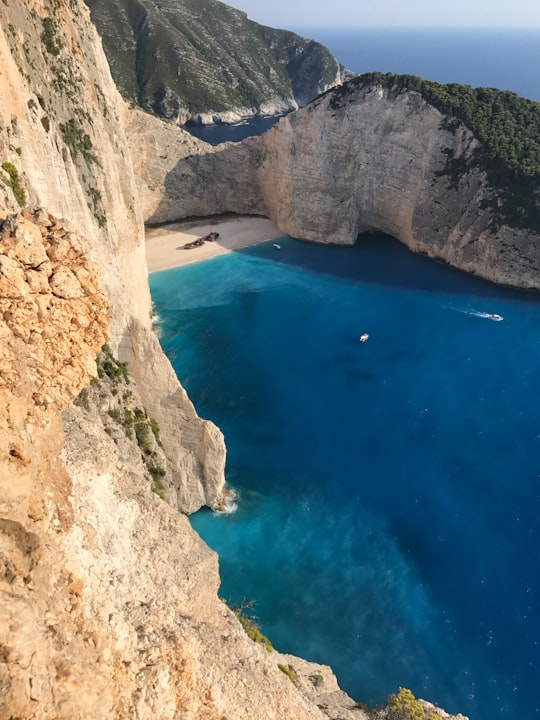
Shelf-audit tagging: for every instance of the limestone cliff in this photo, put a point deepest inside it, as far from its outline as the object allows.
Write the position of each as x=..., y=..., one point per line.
x=108, y=599
x=62, y=133
x=54, y=318
x=381, y=164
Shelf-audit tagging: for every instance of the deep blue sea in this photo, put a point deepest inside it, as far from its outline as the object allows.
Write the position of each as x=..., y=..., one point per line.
x=388, y=521
x=482, y=57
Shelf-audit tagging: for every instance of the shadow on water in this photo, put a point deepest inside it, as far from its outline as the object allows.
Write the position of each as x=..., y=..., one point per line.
x=382, y=260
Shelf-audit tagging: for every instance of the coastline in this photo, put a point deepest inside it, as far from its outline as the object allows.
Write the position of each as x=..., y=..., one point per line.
x=164, y=245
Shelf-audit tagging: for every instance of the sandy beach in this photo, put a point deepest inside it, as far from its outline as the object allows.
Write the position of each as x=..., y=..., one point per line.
x=164, y=245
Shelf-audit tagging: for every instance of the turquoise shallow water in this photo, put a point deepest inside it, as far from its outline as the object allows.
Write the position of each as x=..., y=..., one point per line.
x=388, y=491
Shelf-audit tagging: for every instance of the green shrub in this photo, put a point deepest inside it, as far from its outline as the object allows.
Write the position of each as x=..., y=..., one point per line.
x=289, y=671
x=115, y=414
x=404, y=706
x=156, y=471
x=142, y=433
x=15, y=183
x=157, y=488
x=155, y=429
x=251, y=629
x=77, y=141
x=114, y=369
x=95, y=195
x=127, y=422
x=49, y=38
x=124, y=417
x=97, y=205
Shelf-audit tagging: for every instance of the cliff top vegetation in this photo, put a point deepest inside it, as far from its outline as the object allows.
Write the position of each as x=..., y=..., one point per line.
x=507, y=126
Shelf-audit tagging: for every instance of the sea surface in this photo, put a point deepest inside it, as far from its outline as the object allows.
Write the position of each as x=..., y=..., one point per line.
x=388, y=513
x=482, y=57
x=507, y=59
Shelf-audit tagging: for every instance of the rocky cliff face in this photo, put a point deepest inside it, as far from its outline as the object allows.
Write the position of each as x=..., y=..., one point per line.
x=108, y=604
x=54, y=319
x=62, y=134
x=381, y=164
x=207, y=62
x=108, y=599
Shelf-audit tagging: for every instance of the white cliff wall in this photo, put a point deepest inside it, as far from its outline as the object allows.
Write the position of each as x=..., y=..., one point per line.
x=375, y=161
x=381, y=164
x=62, y=128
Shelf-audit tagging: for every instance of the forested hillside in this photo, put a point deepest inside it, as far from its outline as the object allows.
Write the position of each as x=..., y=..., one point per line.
x=180, y=58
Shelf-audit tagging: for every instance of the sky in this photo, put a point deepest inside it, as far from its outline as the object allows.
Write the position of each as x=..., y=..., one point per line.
x=400, y=13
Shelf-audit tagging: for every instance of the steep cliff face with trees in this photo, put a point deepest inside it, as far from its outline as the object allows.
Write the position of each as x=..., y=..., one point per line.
x=205, y=61
x=508, y=128
x=451, y=172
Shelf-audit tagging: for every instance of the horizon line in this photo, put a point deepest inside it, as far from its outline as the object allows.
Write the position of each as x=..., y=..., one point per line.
x=419, y=27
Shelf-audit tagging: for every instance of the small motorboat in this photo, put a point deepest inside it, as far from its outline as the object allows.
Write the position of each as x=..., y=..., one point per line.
x=363, y=337
x=278, y=247
x=494, y=316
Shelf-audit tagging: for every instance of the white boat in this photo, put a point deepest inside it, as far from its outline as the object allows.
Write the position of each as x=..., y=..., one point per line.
x=278, y=247
x=494, y=316
x=363, y=337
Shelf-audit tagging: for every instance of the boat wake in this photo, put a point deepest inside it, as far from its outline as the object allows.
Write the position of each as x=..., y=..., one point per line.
x=478, y=313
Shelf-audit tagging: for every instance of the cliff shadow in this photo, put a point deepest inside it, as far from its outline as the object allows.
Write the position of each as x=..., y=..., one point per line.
x=381, y=259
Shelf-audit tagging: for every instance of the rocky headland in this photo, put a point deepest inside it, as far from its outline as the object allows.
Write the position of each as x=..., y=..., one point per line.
x=109, y=602
x=108, y=599
x=387, y=160
x=206, y=62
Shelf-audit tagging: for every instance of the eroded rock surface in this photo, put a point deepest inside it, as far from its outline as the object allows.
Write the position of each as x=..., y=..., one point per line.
x=53, y=319
x=62, y=129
